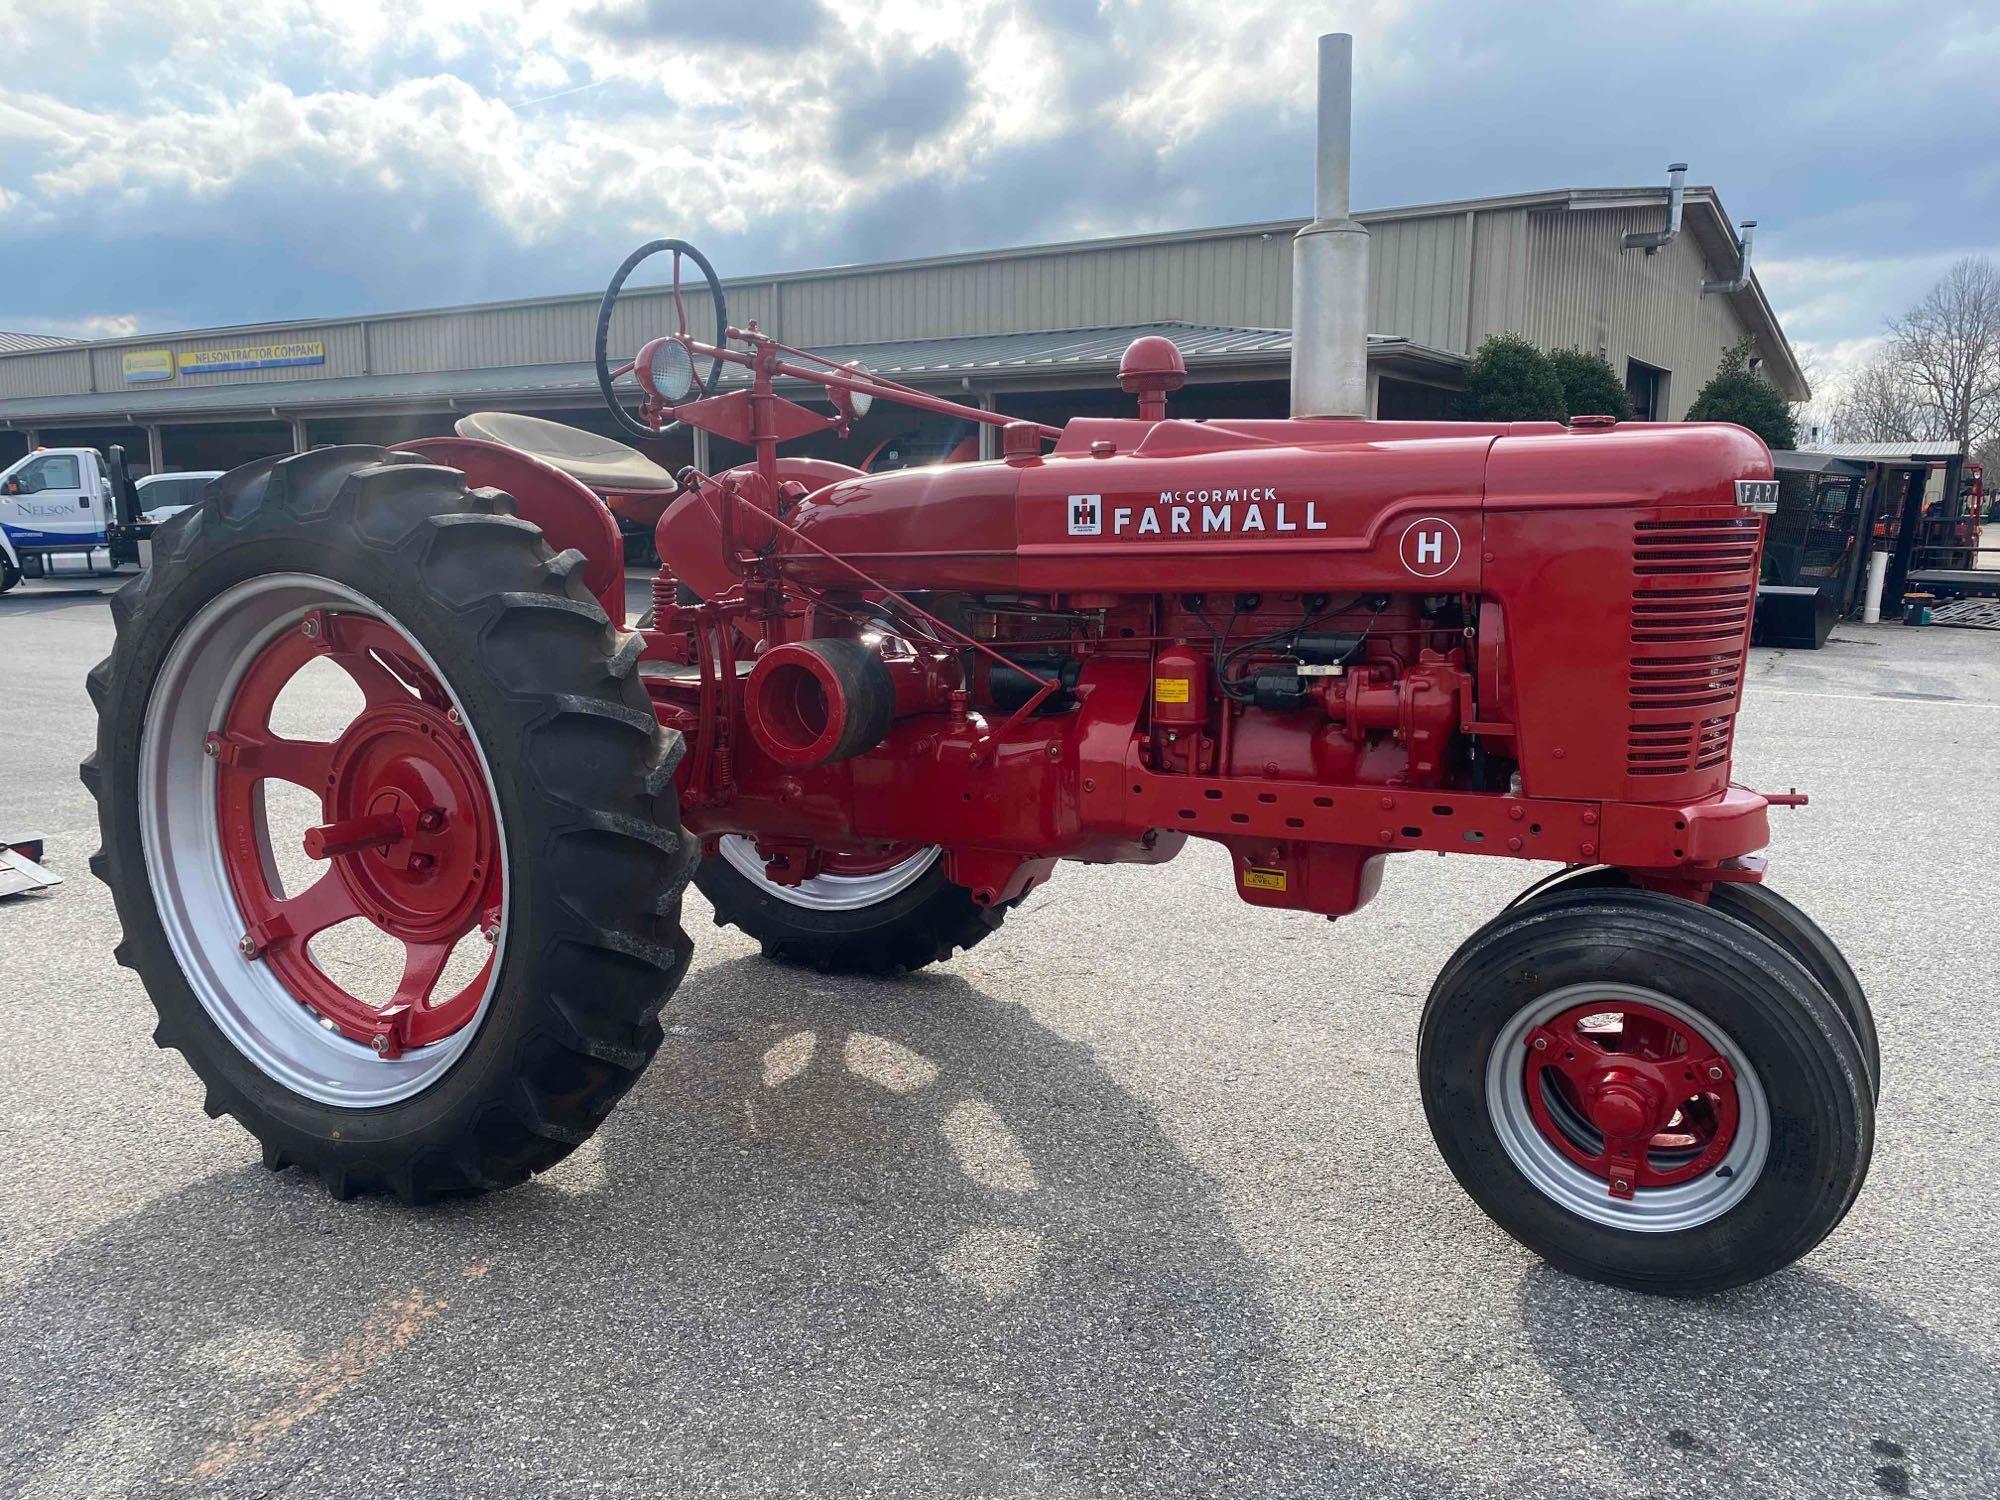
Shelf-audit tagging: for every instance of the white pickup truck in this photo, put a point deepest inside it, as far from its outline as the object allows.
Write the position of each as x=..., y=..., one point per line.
x=58, y=515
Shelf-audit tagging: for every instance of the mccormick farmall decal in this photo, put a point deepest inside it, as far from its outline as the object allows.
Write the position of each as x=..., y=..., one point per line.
x=1196, y=513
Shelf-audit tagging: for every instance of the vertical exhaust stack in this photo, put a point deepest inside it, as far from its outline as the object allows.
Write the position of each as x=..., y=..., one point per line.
x=1330, y=261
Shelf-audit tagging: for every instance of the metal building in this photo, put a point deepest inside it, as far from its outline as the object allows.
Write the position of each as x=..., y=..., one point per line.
x=1034, y=331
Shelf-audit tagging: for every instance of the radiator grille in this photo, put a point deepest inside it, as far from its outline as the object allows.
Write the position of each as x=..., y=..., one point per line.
x=1694, y=584
x=1668, y=548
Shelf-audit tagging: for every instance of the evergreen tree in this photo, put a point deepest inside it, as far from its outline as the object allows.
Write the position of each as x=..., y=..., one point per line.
x=1511, y=381
x=1739, y=394
x=1590, y=386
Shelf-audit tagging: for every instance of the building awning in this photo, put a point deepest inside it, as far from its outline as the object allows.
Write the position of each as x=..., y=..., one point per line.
x=1785, y=461
x=1896, y=452
x=991, y=359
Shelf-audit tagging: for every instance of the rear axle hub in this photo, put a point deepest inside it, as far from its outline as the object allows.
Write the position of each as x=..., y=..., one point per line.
x=407, y=832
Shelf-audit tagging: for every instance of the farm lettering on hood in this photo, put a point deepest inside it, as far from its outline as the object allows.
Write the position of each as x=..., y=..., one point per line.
x=1196, y=513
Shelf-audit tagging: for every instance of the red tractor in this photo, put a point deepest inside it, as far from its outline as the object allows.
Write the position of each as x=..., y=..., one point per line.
x=871, y=712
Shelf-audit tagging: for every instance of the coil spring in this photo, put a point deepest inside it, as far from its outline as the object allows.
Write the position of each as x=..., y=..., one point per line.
x=665, y=587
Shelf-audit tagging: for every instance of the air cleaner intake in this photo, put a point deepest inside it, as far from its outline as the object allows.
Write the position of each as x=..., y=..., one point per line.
x=810, y=702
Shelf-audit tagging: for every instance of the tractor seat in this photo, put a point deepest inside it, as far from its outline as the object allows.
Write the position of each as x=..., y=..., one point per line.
x=602, y=463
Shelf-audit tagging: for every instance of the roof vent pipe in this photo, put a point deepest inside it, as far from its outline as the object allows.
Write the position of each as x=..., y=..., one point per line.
x=1330, y=261
x=1652, y=241
x=1741, y=279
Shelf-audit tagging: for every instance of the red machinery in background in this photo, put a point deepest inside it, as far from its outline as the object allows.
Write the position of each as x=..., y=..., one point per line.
x=871, y=712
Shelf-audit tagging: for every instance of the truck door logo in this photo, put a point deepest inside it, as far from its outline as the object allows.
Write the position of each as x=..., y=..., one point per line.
x=1430, y=547
x=1086, y=515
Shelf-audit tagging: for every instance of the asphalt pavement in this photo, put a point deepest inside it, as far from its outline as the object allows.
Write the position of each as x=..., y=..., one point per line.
x=1135, y=1199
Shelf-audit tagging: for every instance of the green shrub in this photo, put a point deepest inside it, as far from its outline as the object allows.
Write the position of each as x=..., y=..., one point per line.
x=1739, y=394
x=1590, y=386
x=1511, y=381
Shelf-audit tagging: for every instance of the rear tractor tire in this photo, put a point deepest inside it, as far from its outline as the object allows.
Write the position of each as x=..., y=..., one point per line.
x=497, y=818
x=1645, y=1091
x=886, y=915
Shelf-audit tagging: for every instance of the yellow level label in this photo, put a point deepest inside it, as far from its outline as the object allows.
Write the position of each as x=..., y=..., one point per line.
x=1170, y=690
x=1264, y=880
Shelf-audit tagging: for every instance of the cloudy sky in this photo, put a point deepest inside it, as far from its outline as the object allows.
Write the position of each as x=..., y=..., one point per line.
x=177, y=163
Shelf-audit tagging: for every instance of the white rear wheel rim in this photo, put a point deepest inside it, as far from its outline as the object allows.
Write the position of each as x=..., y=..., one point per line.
x=181, y=840
x=826, y=892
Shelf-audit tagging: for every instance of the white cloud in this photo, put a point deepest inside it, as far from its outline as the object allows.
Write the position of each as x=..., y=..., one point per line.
x=323, y=155
x=98, y=326
x=1835, y=308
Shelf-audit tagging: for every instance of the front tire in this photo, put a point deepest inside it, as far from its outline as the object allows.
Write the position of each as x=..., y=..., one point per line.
x=1763, y=910
x=1645, y=1092
x=887, y=915
x=505, y=782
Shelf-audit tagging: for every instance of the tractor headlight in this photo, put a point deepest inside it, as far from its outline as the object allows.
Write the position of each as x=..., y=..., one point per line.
x=858, y=402
x=670, y=371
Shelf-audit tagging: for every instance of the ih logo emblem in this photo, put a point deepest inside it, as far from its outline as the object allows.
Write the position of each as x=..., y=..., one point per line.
x=1086, y=515
x=1430, y=547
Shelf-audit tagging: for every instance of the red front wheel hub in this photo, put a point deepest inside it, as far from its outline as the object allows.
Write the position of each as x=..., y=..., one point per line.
x=1631, y=1093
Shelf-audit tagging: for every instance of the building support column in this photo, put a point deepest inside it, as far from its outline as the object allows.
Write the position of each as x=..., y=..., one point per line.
x=1470, y=287
x=156, y=460
x=701, y=450
x=989, y=435
x=299, y=440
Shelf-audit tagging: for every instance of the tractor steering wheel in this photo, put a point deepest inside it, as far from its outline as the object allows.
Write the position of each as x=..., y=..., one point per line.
x=605, y=374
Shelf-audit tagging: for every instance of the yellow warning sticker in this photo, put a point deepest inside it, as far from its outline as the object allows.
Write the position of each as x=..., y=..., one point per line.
x=1264, y=880
x=1170, y=690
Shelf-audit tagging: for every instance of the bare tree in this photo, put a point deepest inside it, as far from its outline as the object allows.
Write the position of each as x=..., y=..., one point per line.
x=1946, y=353
x=1877, y=406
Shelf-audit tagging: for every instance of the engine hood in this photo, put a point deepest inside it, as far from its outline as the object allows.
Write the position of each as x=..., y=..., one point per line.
x=1123, y=506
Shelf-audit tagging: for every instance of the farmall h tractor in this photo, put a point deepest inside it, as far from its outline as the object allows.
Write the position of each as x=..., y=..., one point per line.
x=870, y=713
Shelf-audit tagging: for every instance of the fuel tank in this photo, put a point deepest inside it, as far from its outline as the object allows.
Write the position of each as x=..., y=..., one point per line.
x=1128, y=506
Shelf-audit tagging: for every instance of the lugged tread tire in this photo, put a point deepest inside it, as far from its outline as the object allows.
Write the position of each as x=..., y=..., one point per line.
x=923, y=924
x=583, y=777
x=1806, y=1057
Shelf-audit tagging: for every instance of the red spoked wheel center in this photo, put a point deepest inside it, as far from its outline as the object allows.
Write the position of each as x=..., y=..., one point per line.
x=407, y=838
x=1633, y=1094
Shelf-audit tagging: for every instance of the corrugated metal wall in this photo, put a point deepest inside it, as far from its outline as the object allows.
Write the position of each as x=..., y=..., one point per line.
x=53, y=372
x=555, y=332
x=1417, y=281
x=1583, y=293
x=342, y=341
x=1445, y=279
x=1239, y=281
x=1499, y=275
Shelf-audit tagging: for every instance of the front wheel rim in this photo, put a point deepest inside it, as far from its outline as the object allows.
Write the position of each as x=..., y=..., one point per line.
x=207, y=747
x=844, y=883
x=1656, y=1121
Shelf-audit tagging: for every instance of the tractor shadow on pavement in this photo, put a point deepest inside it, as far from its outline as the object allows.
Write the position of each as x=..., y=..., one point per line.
x=1794, y=1386
x=844, y=1236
